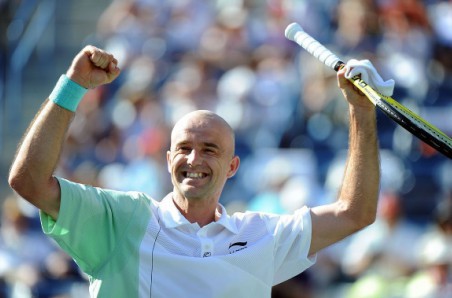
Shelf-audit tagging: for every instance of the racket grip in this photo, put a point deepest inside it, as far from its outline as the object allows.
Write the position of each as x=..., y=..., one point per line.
x=295, y=33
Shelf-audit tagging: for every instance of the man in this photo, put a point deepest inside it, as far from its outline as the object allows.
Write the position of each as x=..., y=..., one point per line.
x=186, y=245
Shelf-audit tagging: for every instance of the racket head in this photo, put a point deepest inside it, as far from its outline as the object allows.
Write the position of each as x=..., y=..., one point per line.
x=410, y=121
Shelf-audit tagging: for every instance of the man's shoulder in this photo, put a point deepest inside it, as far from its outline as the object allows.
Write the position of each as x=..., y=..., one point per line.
x=115, y=197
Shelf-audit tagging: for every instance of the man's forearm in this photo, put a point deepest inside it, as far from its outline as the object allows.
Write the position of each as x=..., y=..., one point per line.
x=38, y=155
x=356, y=206
x=361, y=183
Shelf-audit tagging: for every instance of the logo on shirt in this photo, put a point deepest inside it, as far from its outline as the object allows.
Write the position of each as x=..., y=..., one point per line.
x=237, y=246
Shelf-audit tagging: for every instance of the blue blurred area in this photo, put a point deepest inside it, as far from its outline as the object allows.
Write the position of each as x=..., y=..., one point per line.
x=290, y=121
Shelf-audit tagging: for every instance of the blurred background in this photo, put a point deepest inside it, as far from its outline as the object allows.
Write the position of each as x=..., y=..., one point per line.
x=231, y=56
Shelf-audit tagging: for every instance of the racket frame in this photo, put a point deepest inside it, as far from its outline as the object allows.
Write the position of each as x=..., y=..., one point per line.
x=396, y=111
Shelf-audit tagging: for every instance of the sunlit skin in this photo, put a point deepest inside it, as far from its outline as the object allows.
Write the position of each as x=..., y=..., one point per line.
x=200, y=160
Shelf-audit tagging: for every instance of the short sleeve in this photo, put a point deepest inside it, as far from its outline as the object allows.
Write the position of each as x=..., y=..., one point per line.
x=292, y=235
x=92, y=221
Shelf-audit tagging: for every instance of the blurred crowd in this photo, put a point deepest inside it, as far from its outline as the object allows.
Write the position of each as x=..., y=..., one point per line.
x=231, y=57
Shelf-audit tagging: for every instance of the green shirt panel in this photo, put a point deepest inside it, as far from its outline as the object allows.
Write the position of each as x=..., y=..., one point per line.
x=102, y=231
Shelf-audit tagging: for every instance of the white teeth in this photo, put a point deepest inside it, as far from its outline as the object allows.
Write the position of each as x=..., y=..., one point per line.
x=195, y=175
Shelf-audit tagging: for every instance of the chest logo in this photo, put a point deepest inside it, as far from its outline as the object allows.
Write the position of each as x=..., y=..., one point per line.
x=236, y=246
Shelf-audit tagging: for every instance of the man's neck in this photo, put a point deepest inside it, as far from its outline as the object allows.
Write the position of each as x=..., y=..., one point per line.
x=201, y=212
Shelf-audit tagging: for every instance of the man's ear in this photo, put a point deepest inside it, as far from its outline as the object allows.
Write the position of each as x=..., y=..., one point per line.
x=168, y=160
x=233, y=166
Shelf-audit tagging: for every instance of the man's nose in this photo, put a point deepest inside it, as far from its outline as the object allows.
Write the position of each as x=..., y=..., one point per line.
x=194, y=158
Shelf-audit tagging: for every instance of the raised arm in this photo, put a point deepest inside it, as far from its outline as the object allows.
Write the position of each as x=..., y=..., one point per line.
x=31, y=174
x=357, y=203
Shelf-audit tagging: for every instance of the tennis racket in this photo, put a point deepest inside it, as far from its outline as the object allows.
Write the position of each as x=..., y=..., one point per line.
x=409, y=120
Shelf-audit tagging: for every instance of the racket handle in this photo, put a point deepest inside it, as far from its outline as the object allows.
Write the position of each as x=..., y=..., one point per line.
x=295, y=33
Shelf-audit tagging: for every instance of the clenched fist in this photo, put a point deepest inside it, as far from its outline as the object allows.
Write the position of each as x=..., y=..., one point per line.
x=93, y=67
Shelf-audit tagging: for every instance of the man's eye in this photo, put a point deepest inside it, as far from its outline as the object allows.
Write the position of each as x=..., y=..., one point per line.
x=184, y=149
x=209, y=151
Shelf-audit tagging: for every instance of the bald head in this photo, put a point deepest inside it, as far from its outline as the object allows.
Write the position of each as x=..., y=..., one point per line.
x=207, y=121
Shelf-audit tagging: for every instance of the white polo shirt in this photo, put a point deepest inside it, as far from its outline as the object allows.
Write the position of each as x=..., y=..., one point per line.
x=133, y=246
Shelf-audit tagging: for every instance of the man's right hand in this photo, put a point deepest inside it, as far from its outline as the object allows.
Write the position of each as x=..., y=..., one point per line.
x=93, y=67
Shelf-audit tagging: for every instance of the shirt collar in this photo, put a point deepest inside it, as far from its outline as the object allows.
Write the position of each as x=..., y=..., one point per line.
x=172, y=218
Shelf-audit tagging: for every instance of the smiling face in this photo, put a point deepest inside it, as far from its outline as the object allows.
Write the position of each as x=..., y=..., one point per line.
x=201, y=157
